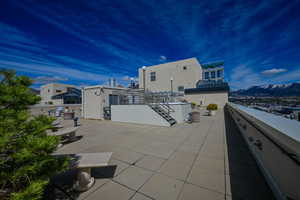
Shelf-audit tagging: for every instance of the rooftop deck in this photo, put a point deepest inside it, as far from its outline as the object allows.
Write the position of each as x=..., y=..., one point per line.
x=206, y=160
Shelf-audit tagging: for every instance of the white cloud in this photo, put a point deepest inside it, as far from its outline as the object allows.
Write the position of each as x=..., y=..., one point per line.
x=162, y=58
x=273, y=71
x=49, y=79
x=128, y=78
x=243, y=76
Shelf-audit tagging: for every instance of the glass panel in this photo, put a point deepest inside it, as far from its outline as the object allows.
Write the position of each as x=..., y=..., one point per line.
x=213, y=74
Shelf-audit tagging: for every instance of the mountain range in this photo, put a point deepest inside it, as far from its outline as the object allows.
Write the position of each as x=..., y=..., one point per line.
x=276, y=90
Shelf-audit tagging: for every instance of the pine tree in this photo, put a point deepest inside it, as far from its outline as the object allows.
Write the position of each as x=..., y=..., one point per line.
x=26, y=163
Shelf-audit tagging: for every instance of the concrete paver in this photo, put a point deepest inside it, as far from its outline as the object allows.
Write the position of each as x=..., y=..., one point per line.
x=175, y=169
x=161, y=187
x=192, y=192
x=111, y=191
x=133, y=177
x=150, y=162
x=186, y=161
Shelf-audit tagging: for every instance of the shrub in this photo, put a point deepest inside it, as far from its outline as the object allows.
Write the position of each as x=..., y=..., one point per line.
x=26, y=163
x=193, y=104
x=212, y=107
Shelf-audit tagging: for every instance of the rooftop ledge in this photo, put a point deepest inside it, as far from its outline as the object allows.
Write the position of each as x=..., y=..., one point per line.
x=287, y=130
x=275, y=143
x=287, y=126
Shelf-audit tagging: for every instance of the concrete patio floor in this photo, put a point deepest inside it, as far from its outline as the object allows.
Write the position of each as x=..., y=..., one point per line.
x=206, y=160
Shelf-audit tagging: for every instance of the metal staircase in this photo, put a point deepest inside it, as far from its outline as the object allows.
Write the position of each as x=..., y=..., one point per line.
x=165, y=114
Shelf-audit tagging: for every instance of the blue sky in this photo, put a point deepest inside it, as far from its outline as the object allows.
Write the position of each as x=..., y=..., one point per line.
x=85, y=42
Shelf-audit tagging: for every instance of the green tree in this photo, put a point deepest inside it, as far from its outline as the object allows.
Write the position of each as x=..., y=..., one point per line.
x=26, y=163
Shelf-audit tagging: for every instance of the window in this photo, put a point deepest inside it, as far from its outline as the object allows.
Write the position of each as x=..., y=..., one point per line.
x=184, y=67
x=58, y=90
x=48, y=90
x=206, y=75
x=152, y=76
x=219, y=73
x=213, y=74
x=180, y=88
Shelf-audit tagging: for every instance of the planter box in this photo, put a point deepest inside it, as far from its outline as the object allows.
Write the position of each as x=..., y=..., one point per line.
x=211, y=112
x=69, y=115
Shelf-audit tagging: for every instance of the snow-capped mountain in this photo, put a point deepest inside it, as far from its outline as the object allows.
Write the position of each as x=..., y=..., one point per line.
x=292, y=89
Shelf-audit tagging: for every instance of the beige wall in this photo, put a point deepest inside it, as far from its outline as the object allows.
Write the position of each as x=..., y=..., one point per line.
x=219, y=98
x=94, y=99
x=187, y=78
x=51, y=89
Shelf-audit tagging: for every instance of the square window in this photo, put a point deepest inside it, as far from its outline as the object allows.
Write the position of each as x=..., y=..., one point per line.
x=184, y=67
x=206, y=75
x=219, y=73
x=180, y=88
x=152, y=76
x=213, y=74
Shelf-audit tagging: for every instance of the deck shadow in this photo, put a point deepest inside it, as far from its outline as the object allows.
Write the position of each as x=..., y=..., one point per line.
x=61, y=186
x=245, y=179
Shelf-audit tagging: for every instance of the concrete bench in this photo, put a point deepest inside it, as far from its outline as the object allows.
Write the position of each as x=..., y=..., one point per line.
x=69, y=133
x=84, y=162
x=56, y=122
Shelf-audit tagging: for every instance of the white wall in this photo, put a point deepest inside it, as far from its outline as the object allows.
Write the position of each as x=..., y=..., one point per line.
x=140, y=114
x=181, y=111
x=92, y=104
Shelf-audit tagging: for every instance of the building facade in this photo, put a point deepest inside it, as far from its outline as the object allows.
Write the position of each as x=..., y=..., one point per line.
x=202, y=84
x=52, y=93
x=213, y=71
x=209, y=93
x=172, y=76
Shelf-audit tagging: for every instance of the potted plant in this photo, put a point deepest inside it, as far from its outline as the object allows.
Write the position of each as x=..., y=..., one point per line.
x=193, y=105
x=212, y=109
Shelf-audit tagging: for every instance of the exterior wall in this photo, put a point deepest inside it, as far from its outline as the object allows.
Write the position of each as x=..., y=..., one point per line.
x=182, y=111
x=186, y=78
x=92, y=104
x=219, y=98
x=49, y=90
x=140, y=114
x=273, y=140
x=94, y=99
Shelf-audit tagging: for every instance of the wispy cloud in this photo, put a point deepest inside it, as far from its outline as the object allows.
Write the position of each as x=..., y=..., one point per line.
x=273, y=71
x=90, y=41
x=48, y=79
x=162, y=58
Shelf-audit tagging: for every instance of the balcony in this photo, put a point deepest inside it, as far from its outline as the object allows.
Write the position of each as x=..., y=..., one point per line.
x=205, y=160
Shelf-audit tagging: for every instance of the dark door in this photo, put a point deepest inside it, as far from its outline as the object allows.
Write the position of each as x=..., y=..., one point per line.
x=113, y=99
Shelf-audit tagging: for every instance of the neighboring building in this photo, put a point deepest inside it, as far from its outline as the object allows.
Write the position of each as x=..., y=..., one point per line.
x=172, y=76
x=200, y=83
x=58, y=94
x=207, y=93
x=213, y=71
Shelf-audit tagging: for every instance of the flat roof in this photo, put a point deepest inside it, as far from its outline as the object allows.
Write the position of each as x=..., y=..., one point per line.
x=104, y=86
x=199, y=90
x=212, y=65
x=178, y=61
